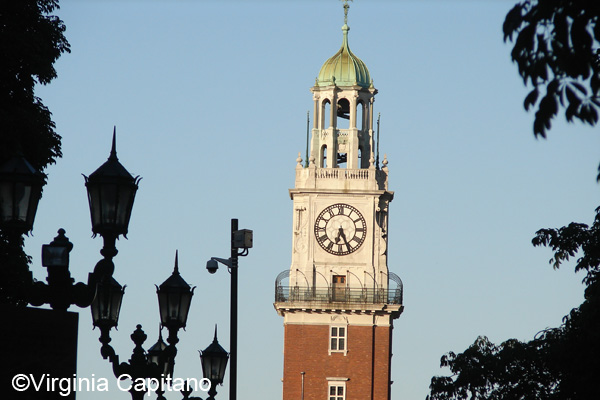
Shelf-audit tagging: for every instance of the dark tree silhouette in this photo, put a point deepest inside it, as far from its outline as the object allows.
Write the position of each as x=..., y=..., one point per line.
x=31, y=40
x=556, y=50
x=559, y=363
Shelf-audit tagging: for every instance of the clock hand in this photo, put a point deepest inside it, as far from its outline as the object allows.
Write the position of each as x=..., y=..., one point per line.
x=340, y=234
x=343, y=235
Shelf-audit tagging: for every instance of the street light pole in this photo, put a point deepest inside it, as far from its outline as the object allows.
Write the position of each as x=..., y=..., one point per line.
x=241, y=241
x=233, y=315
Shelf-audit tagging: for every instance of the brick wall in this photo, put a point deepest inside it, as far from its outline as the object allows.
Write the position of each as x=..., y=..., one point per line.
x=366, y=364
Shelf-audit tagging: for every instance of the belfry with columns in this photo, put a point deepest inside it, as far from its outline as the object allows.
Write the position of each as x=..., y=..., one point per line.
x=338, y=299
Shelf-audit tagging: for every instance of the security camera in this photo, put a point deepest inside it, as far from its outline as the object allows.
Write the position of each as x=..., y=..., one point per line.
x=212, y=266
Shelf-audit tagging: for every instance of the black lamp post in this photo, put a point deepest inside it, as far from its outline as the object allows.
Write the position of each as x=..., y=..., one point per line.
x=156, y=355
x=60, y=292
x=214, y=361
x=241, y=239
x=139, y=366
x=174, y=299
x=105, y=310
x=111, y=192
x=20, y=192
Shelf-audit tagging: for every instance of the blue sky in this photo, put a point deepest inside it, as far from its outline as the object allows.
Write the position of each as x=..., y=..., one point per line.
x=210, y=101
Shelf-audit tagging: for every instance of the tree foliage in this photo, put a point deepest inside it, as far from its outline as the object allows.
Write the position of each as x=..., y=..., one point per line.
x=566, y=242
x=556, y=50
x=31, y=40
x=559, y=363
x=513, y=370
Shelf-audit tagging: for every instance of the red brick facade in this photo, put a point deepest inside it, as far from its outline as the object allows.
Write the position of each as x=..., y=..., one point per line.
x=366, y=364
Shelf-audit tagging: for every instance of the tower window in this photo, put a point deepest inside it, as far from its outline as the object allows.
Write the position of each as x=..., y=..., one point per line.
x=323, y=161
x=337, y=392
x=343, y=114
x=360, y=122
x=360, y=158
x=337, y=339
x=325, y=114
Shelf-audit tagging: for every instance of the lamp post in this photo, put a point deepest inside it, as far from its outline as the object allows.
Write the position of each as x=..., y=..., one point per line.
x=174, y=300
x=20, y=192
x=240, y=239
x=214, y=361
x=111, y=192
x=60, y=292
x=156, y=354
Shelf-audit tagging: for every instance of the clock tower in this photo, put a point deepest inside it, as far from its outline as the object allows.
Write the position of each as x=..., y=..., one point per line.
x=339, y=299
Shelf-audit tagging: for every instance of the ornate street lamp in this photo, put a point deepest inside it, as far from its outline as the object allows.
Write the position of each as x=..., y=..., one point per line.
x=107, y=303
x=174, y=299
x=156, y=355
x=61, y=291
x=105, y=310
x=111, y=192
x=214, y=361
x=138, y=367
x=56, y=253
x=20, y=192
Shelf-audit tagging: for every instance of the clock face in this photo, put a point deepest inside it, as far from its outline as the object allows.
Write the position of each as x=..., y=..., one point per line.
x=340, y=229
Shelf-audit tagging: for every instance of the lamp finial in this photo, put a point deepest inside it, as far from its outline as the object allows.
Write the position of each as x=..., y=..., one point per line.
x=113, y=150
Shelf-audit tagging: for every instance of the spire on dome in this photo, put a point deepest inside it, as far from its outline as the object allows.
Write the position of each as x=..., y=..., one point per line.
x=346, y=7
x=344, y=68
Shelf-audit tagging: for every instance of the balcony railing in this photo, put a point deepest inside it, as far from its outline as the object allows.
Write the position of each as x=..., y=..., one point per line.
x=342, y=173
x=321, y=295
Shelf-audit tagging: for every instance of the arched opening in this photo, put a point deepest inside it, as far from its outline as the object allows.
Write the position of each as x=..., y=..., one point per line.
x=325, y=114
x=360, y=160
x=342, y=158
x=343, y=114
x=323, y=158
x=360, y=122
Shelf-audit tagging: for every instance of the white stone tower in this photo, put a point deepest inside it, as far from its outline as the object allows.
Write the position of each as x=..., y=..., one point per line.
x=338, y=298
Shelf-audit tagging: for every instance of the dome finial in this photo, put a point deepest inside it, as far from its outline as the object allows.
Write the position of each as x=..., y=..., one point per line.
x=344, y=68
x=346, y=7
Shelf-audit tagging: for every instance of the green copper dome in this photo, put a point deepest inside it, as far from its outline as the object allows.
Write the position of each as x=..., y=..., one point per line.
x=344, y=68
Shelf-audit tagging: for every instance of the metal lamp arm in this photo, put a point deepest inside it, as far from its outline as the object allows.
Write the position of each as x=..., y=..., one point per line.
x=108, y=352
